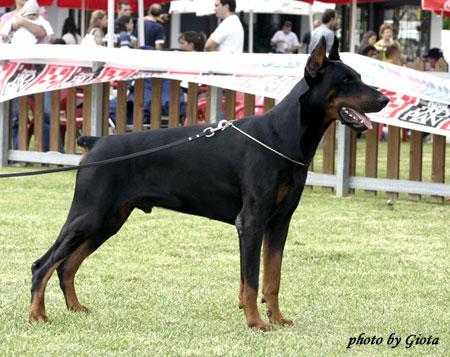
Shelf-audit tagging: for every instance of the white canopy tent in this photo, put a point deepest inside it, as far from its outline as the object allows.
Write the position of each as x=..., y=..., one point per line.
x=291, y=7
x=282, y=7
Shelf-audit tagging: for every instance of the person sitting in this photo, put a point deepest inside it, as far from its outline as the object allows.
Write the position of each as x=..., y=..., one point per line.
x=432, y=58
x=148, y=85
x=368, y=51
x=192, y=41
x=393, y=55
x=369, y=38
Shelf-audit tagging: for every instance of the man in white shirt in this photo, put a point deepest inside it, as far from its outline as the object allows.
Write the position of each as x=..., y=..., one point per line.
x=229, y=35
x=285, y=40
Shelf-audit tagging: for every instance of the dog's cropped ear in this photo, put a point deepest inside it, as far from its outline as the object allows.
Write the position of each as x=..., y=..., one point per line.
x=316, y=60
x=334, y=52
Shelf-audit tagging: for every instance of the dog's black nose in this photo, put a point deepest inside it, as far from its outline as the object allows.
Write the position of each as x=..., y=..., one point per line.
x=383, y=100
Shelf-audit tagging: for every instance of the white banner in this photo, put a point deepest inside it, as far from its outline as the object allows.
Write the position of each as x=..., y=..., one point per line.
x=418, y=100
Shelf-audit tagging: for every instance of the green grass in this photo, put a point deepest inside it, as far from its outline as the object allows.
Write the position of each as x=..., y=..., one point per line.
x=167, y=283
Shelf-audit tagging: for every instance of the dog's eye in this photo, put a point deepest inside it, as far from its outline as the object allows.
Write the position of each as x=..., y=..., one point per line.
x=347, y=80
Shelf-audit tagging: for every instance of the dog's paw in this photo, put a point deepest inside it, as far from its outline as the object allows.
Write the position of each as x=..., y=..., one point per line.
x=261, y=326
x=37, y=317
x=79, y=308
x=281, y=321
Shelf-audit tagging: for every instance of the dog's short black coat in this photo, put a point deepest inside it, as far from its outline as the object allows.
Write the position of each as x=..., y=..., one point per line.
x=226, y=177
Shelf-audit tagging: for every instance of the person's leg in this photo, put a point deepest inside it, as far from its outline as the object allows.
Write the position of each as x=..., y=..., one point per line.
x=15, y=122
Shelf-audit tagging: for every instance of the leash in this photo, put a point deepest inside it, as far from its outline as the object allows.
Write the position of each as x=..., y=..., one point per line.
x=268, y=147
x=207, y=132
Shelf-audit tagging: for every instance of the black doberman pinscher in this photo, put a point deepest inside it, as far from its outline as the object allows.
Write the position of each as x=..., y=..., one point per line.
x=227, y=177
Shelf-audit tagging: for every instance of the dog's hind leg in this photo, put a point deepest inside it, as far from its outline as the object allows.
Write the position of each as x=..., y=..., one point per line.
x=66, y=274
x=250, y=236
x=40, y=279
x=69, y=267
x=43, y=268
x=274, y=241
x=79, y=237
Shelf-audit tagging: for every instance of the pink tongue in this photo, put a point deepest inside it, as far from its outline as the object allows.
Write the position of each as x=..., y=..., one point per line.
x=362, y=117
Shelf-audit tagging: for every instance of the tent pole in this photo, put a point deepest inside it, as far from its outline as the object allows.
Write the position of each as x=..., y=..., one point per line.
x=83, y=19
x=140, y=29
x=353, y=26
x=250, y=31
x=110, y=34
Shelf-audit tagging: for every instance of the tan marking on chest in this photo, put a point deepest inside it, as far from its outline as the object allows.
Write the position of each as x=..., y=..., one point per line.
x=283, y=190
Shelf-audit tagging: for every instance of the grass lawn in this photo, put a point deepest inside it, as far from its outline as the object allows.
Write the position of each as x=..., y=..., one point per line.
x=167, y=283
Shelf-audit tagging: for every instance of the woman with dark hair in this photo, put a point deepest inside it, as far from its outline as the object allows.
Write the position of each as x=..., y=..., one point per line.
x=369, y=38
x=192, y=41
x=123, y=37
x=70, y=33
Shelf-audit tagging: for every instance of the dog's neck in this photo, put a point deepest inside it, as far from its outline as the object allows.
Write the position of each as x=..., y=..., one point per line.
x=312, y=125
x=301, y=123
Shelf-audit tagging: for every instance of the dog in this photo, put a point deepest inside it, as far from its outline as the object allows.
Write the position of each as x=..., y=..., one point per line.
x=227, y=177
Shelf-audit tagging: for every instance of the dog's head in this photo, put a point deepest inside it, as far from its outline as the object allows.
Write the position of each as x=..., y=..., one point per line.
x=338, y=89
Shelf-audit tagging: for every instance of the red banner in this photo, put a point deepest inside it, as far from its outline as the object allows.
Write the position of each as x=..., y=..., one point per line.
x=438, y=6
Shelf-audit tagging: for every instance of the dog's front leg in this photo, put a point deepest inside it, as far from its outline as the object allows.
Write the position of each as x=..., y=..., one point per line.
x=250, y=236
x=274, y=241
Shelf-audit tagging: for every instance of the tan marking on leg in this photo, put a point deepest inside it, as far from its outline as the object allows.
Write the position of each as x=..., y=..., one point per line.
x=71, y=266
x=251, y=309
x=241, y=295
x=37, y=309
x=271, y=285
x=283, y=190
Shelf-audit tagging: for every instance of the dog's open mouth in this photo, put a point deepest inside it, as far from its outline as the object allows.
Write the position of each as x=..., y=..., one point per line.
x=351, y=116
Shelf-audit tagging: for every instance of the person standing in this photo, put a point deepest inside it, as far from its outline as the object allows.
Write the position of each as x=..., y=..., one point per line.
x=97, y=25
x=153, y=28
x=306, y=39
x=22, y=36
x=123, y=37
x=70, y=33
x=123, y=9
x=329, y=21
x=18, y=22
x=387, y=40
x=229, y=35
x=40, y=32
x=285, y=40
